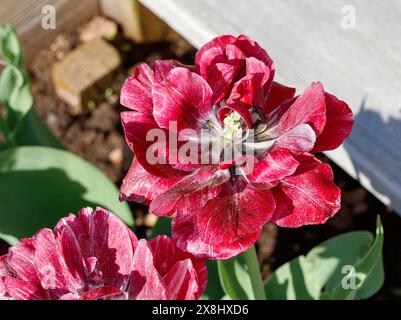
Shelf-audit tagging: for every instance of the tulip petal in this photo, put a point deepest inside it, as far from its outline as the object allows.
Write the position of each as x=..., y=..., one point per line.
x=138, y=129
x=146, y=283
x=298, y=140
x=239, y=210
x=308, y=198
x=308, y=108
x=136, y=92
x=183, y=98
x=163, y=67
x=185, y=231
x=105, y=292
x=113, y=245
x=72, y=254
x=252, y=49
x=206, y=180
x=22, y=290
x=339, y=122
x=20, y=260
x=166, y=254
x=276, y=165
x=212, y=53
x=277, y=96
x=3, y=290
x=182, y=281
x=220, y=78
x=76, y=228
x=3, y=272
x=51, y=266
x=141, y=186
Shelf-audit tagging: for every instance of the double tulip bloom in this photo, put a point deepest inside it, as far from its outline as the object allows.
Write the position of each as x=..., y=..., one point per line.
x=95, y=256
x=220, y=207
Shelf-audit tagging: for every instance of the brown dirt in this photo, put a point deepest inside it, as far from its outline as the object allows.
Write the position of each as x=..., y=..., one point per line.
x=96, y=135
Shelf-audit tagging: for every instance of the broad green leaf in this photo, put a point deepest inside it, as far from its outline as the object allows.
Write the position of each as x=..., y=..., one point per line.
x=39, y=185
x=328, y=258
x=292, y=281
x=319, y=274
x=234, y=278
x=369, y=271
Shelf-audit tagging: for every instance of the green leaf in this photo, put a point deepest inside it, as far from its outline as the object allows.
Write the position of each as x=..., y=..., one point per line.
x=10, y=47
x=369, y=271
x=292, y=281
x=214, y=290
x=15, y=93
x=8, y=81
x=21, y=100
x=235, y=279
x=9, y=239
x=35, y=132
x=39, y=185
x=320, y=274
x=162, y=227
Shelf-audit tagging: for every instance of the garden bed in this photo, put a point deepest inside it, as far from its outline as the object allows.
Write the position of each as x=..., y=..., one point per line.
x=96, y=135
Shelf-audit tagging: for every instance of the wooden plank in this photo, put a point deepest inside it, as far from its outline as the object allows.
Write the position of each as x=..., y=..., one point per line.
x=307, y=41
x=138, y=22
x=26, y=16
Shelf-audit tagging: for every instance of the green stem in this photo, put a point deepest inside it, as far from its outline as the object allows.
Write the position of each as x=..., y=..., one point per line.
x=251, y=261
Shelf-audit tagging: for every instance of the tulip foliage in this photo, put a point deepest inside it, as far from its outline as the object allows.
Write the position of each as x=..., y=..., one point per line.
x=220, y=149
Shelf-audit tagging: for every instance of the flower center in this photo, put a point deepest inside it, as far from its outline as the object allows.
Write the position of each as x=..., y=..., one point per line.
x=231, y=141
x=233, y=126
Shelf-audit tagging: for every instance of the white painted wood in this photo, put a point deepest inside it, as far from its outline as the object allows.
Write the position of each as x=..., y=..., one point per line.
x=307, y=42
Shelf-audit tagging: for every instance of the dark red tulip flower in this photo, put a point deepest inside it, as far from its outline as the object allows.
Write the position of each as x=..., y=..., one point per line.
x=229, y=97
x=95, y=256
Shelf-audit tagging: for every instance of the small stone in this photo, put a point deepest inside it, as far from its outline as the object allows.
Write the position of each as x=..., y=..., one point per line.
x=139, y=221
x=98, y=27
x=60, y=55
x=60, y=43
x=51, y=119
x=84, y=72
x=116, y=156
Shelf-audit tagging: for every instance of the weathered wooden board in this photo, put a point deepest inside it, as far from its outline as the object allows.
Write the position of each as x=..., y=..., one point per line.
x=308, y=42
x=137, y=21
x=26, y=16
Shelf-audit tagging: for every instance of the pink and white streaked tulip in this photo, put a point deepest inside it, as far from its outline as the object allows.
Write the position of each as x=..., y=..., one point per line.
x=95, y=256
x=231, y=94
